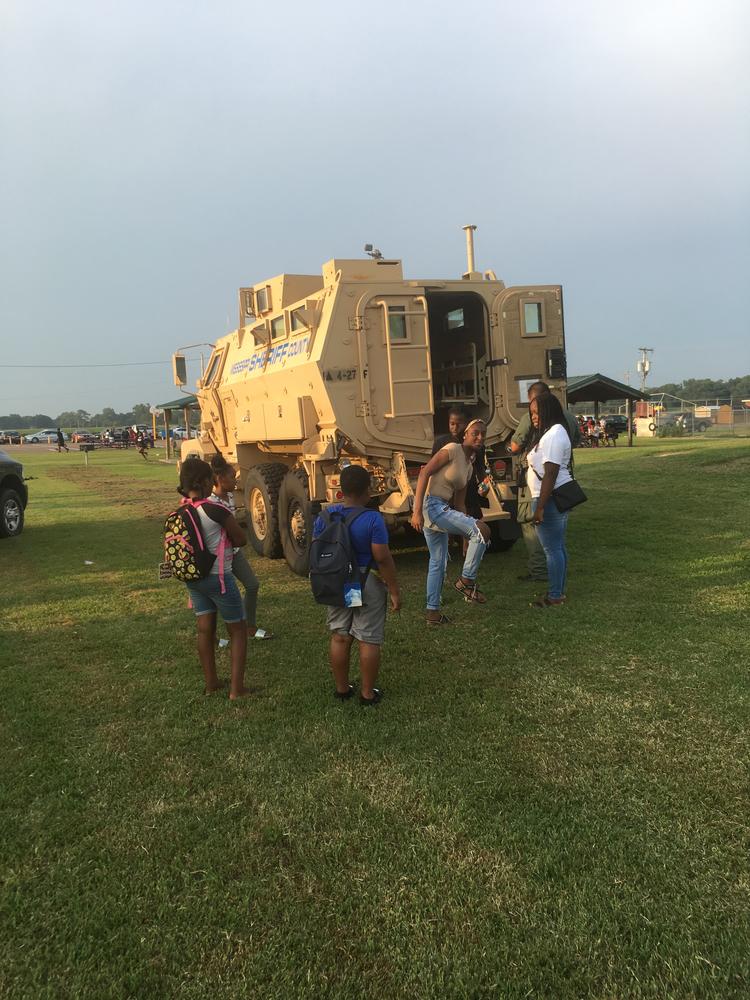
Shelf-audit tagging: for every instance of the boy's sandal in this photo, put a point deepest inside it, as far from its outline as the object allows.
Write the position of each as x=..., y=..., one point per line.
x=262, y=633
x=442, y=620
x=470, y=593
x=547, y=602
x=344, y=695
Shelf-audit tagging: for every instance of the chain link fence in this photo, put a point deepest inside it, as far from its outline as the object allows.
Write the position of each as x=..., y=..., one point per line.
x=708, y=419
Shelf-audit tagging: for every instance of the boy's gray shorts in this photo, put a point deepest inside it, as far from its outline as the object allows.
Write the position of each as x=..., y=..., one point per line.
x=366, y=624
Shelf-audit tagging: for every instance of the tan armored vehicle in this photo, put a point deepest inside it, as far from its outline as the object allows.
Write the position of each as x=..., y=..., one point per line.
x=361, y=365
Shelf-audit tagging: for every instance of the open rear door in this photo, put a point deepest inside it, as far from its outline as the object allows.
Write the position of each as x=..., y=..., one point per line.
x=528, y=346
x=407, y=343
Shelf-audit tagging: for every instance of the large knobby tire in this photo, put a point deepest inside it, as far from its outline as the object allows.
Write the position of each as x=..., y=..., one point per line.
x=296, y=521
x=262, y=502
x=11, y=514
x=503, y=535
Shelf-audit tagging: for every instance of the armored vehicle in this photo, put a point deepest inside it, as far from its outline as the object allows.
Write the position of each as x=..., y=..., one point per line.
x=361, y=365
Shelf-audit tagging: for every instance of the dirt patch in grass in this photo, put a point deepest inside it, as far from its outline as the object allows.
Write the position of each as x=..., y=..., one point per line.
x=126, y=495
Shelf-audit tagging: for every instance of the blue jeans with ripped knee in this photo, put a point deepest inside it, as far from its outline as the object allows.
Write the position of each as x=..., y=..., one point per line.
x=452, y=522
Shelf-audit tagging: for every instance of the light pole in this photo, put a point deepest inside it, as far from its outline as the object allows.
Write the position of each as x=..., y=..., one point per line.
x=644, y=365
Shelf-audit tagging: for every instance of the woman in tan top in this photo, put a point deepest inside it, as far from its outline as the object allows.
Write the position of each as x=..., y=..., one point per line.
x=440, y=511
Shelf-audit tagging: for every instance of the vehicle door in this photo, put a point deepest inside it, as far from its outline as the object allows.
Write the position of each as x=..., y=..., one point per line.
x=528, y=346
x=213, y=413
x=396, y=369
x=402, y=323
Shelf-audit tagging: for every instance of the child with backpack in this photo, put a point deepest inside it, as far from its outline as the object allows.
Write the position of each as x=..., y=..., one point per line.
x=199, y=540
x=352, y=571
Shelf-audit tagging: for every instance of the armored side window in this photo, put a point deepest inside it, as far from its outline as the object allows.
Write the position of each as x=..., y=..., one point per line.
x=263, y=299
x=397, y=324
x=213, y=367
x=260, y=334
x=278, y=328
x=532, y=318
x=454, y=320
x=297, y=321
x=523, y=384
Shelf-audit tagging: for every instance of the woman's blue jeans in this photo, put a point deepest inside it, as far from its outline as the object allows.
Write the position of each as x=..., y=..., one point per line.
x=551, y=534
x=453, y=522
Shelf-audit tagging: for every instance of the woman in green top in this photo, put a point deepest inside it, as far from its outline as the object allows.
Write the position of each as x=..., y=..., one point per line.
x=440, y=511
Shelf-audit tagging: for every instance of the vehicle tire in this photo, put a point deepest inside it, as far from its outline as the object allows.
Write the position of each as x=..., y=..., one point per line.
x=652, y=427
x=262, y=502
x=503, y=535
x=35, y=440
x=702, y=428
x=296, y=521
x=11, y=514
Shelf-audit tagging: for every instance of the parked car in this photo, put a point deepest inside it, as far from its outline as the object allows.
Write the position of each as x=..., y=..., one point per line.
x=685, y=419
x=180, y=433
x=13, y=496
x=10, y=437
x=49, y=434
x=83, y=437
x=616, y=422
x=691, y=423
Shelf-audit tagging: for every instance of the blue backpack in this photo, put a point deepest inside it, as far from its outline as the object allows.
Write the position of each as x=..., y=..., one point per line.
x=333, y=561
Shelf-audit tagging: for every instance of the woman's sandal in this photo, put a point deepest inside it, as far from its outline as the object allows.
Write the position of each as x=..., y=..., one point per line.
x=260, y=633
x=470, y=594
x=442, y=620
x=344, y=695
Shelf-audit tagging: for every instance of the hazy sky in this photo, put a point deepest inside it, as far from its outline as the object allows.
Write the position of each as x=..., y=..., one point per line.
x=155, y=156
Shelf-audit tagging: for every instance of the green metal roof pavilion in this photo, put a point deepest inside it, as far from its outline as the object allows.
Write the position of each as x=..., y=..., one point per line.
x=598, y=388
x=181, y=403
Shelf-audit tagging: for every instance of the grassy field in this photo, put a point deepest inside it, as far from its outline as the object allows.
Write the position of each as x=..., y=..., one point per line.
x=546, y=804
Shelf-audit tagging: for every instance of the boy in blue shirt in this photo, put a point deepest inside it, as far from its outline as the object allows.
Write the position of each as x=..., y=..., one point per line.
x=366, y=624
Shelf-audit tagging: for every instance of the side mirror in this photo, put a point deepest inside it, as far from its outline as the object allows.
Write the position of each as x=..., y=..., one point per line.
x=179, y=369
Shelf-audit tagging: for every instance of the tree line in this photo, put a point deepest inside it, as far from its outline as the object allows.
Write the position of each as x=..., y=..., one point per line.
x=693, y=389
x=697, y=389
x=69, y=419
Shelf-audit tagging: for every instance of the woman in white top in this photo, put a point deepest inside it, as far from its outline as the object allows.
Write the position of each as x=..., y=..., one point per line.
x=440, y=511
x=549, y=467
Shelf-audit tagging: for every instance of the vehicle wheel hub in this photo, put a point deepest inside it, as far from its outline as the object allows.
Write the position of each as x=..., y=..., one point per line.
x=12, y=515
x=258, y=514
x=298, y=526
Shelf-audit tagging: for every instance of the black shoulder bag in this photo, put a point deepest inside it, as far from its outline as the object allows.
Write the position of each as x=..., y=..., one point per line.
x=567, y=496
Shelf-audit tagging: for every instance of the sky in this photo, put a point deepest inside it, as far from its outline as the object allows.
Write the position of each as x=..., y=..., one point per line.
x=154, y=156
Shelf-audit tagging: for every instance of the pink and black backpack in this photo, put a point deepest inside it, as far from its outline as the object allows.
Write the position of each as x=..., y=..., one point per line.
x=185, y=547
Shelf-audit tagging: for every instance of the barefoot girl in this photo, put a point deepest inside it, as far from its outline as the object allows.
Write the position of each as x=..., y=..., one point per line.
x=440, y=511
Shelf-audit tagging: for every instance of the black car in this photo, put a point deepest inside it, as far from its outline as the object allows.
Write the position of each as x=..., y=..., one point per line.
x=13, y=496
x=10, y=437
x=616, y=423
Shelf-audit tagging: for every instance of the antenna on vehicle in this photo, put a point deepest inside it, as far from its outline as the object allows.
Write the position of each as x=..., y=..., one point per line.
x=373, y=252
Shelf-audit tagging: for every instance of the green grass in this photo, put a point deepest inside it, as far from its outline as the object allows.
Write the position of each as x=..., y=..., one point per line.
x=546, y=804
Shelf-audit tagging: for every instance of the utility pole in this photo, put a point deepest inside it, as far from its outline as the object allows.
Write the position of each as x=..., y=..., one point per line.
x=627, y=378
x=644, y=365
